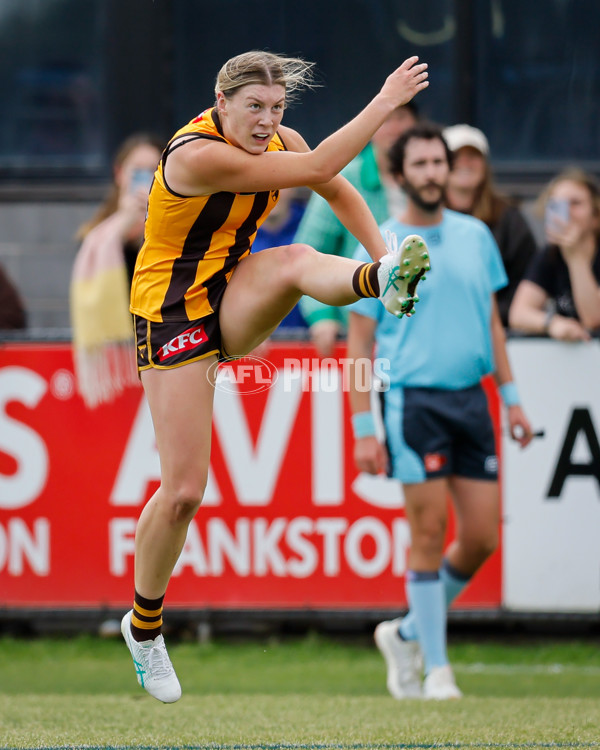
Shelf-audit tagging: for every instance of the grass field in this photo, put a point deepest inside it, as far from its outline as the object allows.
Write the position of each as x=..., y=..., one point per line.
x=308, y=693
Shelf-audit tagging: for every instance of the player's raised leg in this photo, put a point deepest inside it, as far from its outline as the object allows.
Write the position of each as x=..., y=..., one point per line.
x=286, y=273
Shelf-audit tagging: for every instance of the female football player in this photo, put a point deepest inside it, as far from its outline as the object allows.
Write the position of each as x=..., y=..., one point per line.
x=199, y=295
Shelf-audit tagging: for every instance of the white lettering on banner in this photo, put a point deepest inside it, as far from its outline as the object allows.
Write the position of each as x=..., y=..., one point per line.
x=222, y=544
x=254, y=470
x=255, y=547
x=376, y=529
x=327, y=433
x=331, y=530
x=307, y=558
x=267, y=555
x=193, y=554
x=121, y=535
x=141, y=465
x=401, y=542
x=379, y=490
x=21, y=442
x=19, y=545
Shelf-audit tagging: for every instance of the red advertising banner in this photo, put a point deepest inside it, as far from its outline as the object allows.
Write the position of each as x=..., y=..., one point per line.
x=286, y=522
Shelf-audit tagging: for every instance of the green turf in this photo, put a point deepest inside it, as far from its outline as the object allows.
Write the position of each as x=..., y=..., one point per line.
x=310, y=692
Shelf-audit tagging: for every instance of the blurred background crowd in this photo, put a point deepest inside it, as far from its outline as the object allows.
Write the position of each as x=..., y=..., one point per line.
x=517, y=91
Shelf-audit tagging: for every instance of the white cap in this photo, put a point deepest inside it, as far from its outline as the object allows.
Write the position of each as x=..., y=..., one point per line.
x=459, y=136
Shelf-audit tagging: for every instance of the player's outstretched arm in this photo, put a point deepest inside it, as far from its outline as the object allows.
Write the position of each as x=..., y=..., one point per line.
x=405, y=82
x=210, y=166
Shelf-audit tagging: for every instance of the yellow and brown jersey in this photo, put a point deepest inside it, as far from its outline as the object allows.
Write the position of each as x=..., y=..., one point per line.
x=192, y=244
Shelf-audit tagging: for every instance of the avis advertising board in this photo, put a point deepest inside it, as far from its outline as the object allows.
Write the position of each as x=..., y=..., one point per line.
x=286, y=521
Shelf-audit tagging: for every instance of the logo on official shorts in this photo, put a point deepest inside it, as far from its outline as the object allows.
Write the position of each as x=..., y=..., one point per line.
x=434, y=462
x=185, y=342
x=244, y=376
x=491, y=464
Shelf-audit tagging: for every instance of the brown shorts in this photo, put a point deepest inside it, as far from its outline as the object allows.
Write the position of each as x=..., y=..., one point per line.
x=167, y=345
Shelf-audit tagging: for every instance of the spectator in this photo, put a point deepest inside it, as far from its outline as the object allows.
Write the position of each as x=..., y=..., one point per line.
x=471, y=190
x=12, y=310
x=560, y=294
x=103, y=351
x=438, y=427
x=322, y=229
x=279, y=228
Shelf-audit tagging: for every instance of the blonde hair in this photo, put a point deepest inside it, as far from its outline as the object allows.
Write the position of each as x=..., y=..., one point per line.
x=267, y=69
x=571, y=174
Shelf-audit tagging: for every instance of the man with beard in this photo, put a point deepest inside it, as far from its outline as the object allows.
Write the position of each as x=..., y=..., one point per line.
x=439, y=434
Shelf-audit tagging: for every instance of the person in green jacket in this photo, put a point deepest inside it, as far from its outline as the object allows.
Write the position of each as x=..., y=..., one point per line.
x=320, y=228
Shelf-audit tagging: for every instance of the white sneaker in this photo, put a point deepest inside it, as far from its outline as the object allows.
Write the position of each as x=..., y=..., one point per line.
x=440, y=685
x=153, y=667
x=403, y=659
x=400, y=271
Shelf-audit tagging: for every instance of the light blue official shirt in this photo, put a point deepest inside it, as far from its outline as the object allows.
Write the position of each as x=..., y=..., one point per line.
x=447, y=343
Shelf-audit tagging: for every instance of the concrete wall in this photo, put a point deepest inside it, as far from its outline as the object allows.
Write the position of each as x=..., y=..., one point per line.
x=37, y=249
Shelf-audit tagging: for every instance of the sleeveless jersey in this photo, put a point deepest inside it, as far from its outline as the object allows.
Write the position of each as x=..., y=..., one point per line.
x=192, y=244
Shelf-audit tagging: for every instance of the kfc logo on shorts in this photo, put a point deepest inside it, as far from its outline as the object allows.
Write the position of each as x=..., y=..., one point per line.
x=434, y=462
x=186, y=341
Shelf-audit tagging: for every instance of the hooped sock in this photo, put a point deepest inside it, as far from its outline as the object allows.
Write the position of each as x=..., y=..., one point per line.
x=365, y=282
x=146, y=620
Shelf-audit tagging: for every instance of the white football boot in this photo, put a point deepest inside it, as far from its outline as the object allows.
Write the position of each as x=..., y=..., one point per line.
x=153, y=667
x=403, y=660
x=440, y=684
x=400, y=271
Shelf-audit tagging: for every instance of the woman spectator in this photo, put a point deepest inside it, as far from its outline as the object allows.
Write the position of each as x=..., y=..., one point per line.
x=103, y=350
x=560, y=293
x=471, y=190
